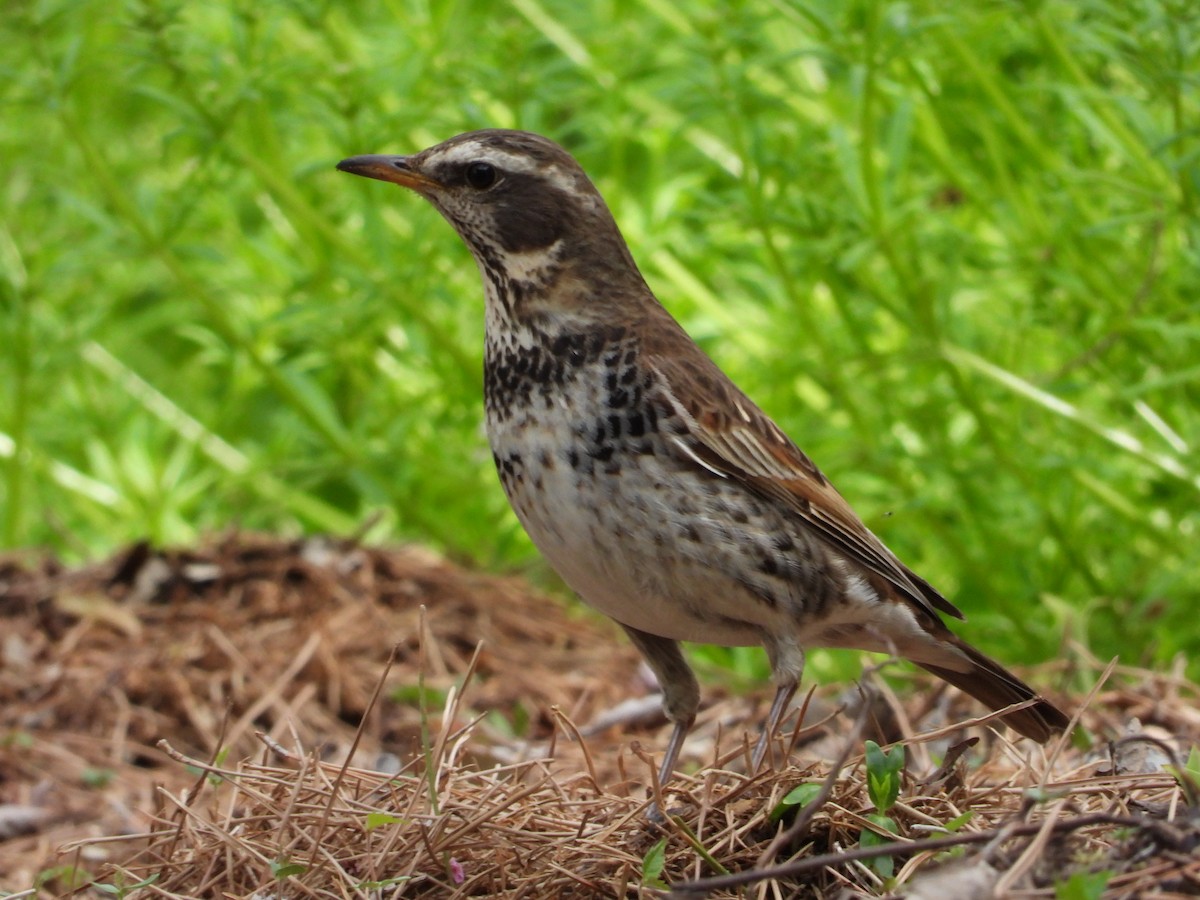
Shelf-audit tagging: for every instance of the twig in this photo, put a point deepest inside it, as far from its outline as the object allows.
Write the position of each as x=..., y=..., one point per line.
x=1031, y=852
x=809, y=811
x=335, y=789
x=1191, y=790
x=1065, y=738
x=566, y=724
x=799, y=867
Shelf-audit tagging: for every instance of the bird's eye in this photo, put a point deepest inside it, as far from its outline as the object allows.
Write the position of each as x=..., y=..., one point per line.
x=481, y=175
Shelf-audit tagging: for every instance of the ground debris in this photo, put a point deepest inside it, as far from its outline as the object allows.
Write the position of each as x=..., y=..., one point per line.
x=259, y=717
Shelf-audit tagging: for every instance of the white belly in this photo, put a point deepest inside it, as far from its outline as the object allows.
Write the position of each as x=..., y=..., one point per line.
x=614, y=538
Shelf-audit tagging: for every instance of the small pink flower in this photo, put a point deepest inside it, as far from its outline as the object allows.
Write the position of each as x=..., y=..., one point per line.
x=457, y=872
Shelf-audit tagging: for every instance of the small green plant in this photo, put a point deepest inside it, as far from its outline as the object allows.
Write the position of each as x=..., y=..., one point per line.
x=121, y=890
x=19, y=739
x=1189, y=776
x=883, y=787
x=958, y=822
x=96, y=778
x=380, y=819
x=799, y=796
x=953, y=827
x=652, y=866
x=281, y=869
x=386, y=882
x=1041, y=795
x=513, y=723
x=1082, y=886
x=415, y=694
x=218, y=760
x=698, y=845
x=1192, y=766
x=66, y=878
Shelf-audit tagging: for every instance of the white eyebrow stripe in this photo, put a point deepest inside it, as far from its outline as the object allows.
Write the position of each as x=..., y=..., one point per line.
x=506, y=161
x=469, y=151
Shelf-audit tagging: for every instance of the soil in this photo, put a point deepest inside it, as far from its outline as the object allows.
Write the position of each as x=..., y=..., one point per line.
x=154, y=704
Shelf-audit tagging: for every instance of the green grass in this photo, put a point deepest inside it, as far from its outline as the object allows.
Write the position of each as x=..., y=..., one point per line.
x=953, y=249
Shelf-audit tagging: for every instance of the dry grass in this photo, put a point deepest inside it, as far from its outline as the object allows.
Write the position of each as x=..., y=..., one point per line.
x=315, y=720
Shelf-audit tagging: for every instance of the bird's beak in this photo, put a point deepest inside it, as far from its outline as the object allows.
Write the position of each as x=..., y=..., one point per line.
x=396, y=169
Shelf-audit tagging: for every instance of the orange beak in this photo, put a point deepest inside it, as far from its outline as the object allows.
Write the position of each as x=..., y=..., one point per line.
x=395, y=169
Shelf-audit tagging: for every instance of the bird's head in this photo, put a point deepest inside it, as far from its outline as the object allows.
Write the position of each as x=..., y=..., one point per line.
x=528, y=212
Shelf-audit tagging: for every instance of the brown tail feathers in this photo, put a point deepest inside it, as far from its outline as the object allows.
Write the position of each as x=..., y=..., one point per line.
x=996, y=687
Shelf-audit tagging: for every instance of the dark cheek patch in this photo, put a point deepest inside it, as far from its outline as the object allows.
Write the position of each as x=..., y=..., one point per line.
x=529, y=220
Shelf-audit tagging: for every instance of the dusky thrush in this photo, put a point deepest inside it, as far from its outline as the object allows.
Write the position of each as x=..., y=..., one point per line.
x=657, y=489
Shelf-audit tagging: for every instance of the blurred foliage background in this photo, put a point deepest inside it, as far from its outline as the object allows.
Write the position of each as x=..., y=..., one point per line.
x=951, y=248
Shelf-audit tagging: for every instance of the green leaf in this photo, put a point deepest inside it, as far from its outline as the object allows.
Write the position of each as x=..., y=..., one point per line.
x=123, y=890
x=653, y=863
x=414, y=694
x=379, y=819
x=1192, y=766
x=801, y=795
x=958, y=822
x=1039, y=795
x=883, y=866
x=281, y=870
x=1083, y=886
x=21, y=739
x=69, y=877
x=97, y=778
x=883, y=775
x=1189, y=776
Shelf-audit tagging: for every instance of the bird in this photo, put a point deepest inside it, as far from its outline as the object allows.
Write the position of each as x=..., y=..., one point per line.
x=658, y=490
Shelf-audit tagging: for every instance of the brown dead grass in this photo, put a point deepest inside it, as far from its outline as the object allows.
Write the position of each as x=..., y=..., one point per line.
x=259, y=718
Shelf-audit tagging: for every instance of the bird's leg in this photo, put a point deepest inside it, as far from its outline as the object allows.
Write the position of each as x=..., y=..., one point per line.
x=681, y=693
x=674, y=745
x=787, y=665
x=783, y=696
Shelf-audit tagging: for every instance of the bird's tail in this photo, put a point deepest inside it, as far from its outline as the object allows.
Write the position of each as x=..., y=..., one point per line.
x=996, y=687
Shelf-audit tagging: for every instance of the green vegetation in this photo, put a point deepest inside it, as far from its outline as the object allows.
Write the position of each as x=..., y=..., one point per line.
x=1083, y=886
x=120, y=889
x=885, y=771
x=798, y=797
x=653, y=864
x=953, y=249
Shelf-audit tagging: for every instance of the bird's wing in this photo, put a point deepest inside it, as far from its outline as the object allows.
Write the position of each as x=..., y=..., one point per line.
x=708, y=420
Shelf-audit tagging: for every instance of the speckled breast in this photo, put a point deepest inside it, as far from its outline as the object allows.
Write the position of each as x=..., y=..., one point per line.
x=582, y=456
